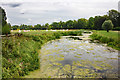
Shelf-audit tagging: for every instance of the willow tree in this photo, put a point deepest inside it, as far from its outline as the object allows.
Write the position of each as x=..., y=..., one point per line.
x=107, y=25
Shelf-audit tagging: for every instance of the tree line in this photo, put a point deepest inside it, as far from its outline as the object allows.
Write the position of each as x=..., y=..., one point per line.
x=93, y=23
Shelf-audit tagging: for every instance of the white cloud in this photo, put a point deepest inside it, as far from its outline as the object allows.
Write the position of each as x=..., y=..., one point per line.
x=47, y=11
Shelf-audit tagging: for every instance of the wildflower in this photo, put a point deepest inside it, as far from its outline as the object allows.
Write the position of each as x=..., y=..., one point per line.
x=8, y=60
x=20, y=64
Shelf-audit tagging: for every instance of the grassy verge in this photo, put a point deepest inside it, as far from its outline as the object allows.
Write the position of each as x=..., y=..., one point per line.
x=111, y=38
x=20, y=52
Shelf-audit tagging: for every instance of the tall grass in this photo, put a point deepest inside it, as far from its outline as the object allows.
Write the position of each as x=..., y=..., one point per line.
x=19, y=56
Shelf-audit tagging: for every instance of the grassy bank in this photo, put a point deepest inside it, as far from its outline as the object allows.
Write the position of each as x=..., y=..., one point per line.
x=111, y=38
x=20, y=52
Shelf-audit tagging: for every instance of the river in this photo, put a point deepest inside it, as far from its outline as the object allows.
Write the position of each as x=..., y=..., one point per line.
x=69, y=58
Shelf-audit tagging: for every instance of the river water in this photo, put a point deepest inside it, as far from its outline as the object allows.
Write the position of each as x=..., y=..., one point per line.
x=69, y=58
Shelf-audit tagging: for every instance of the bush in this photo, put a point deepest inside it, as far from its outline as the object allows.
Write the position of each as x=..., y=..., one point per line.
x=116, y=28
x=57, y=35
x=94, y=36
x=104, y=40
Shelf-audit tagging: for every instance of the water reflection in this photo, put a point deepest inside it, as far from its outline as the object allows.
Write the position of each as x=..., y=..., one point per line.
x=78, y=59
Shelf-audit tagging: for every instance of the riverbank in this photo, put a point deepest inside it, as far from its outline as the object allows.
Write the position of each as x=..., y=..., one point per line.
x=20, y=54
x=69, y=58
x=110, y=38
x=21, y=51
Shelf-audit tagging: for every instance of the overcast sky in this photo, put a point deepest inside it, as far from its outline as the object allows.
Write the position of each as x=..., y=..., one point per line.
x=47, y=11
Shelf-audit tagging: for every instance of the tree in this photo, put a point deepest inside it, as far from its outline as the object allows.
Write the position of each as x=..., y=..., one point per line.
x=55, y=25
x=90, y=23
x=14, y=27
x=23, y=27
x=6, y=29
x=98, y=21
x=82, y=23
x=49, y=27
x=114, y=16
x=37, y=27
x=5, y=26
x=107, y=25
x=29, y=27
x=75, y=24
x=46, y=25
x=4, y=18
x=61, y=24
x=69, y=24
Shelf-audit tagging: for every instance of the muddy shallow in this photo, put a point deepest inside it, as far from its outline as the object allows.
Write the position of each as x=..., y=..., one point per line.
x=68, y=58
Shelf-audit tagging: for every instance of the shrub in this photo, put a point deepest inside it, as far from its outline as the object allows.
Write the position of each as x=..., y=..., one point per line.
x=94, y=36
x=104, y=40
x=116, y=28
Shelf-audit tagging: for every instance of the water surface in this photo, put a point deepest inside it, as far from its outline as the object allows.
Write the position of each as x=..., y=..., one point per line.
x=68, y=58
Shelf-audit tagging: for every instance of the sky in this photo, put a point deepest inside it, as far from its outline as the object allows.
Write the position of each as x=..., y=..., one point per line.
x=32, y=12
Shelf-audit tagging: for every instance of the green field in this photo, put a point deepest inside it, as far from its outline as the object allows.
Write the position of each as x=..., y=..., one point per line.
x=39, y=32
x=111, y=34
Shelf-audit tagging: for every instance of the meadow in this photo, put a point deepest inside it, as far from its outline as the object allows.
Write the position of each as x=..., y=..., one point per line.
x=112, y=34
